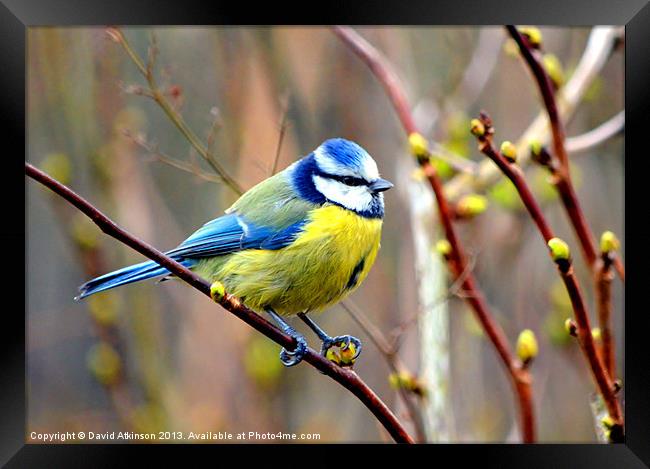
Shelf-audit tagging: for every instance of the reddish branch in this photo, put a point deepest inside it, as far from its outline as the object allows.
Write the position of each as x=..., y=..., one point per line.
x=603, y=379
x=561, y=171
x=604, y=277
x=384, y=72
x=347, y=378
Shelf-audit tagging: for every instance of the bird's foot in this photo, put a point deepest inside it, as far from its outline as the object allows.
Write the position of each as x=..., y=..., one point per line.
x=349, y=349
x=293, y=357
x=289, y=357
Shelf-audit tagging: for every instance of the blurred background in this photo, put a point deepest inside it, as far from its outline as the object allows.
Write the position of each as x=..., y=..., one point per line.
x=150, y=357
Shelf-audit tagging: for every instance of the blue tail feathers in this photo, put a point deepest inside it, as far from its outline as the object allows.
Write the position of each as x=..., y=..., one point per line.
x=133, y=273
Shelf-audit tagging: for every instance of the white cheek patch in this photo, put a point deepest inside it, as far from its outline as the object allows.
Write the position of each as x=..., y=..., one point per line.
x=357, y=198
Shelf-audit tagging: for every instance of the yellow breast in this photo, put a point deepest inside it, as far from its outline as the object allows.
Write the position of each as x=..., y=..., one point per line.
x=326, y=262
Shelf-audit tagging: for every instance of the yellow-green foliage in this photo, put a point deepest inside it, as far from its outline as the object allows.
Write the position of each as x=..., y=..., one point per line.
x=554, y=323
x=58, y=166
x=555, y=328
x=104, y=308
x=104, y=362
x=84, y=232
x=505, y=194
x=149, y=418
x=261, y=362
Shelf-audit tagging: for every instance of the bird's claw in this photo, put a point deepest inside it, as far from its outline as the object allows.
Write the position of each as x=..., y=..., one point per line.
x=293, y=357
x=350, y=349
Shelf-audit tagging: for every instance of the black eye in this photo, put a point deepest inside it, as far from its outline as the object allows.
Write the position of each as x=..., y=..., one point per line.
x=352, y=181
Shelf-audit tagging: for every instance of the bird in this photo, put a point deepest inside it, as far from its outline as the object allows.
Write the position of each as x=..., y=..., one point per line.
x=294, y=244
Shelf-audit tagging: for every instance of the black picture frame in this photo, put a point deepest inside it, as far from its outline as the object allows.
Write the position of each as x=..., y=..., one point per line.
x=17, y=15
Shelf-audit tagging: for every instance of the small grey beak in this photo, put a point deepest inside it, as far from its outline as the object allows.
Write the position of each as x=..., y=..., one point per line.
x=380, y=185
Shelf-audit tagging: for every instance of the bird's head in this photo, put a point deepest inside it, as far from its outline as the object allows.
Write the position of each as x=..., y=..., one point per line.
x=341, y=172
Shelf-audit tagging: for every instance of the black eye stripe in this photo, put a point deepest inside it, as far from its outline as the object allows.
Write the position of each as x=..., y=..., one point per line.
x=347, y=180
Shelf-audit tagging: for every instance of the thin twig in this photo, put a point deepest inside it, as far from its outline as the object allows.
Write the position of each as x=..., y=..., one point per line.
x=283, y=130
x=604, y=306
x=214, y=128
x=602, y=41
x=561, y=172
x=168, y=160
x=384, y=72
x=515, y=174
x=147, y=71
x=347, y=378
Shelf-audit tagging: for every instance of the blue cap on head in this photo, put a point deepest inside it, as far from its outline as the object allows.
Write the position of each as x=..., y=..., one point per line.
x=345, y=152
x=343, y=157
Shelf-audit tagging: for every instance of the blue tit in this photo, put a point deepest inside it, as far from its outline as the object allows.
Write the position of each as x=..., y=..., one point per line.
x=294, y=244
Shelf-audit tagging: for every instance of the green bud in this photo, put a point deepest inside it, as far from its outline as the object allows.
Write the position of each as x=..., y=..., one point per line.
x=405, y=380
x=527, y=348
x=471, y=205
x=596, y=334
x=419, y=145
x=609, y=242
x=217, y=291
x=538, y=153
x=553, y=68
x=443, y=247
x=333, y=356
x=559, y=249
x=477, y=128
x=347, y=355
x=535, y=147
x=509, y=151
x=607, y=422
x=533, y=34
x=571, y=327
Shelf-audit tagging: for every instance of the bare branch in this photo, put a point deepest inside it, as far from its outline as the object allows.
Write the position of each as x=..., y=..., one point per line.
x=602, y=41
x=347, y=378
x=159, y=97
x=515, y=174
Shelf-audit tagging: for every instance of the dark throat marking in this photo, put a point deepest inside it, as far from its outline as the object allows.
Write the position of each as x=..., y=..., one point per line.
x=354, y=278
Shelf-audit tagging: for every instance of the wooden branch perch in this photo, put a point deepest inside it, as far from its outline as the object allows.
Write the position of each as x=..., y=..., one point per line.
x=347, y=378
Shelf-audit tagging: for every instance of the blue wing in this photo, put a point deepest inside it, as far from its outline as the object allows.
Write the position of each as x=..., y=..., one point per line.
x=224, y=235
x=232, y=233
